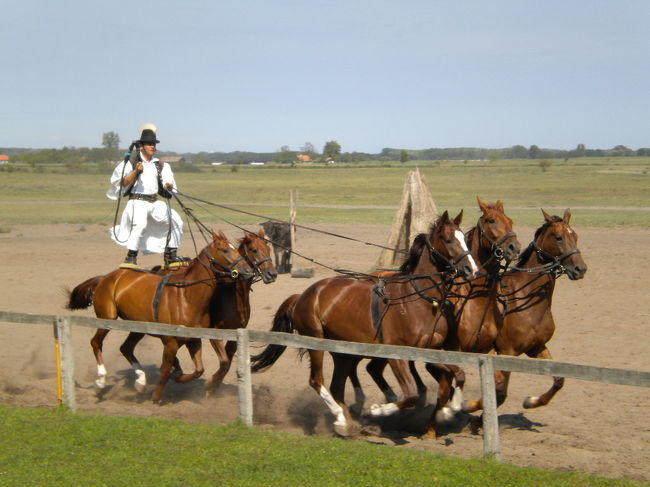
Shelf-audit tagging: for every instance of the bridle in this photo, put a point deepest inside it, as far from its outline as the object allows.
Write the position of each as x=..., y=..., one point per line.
x=496, y=248
x=555, y=263
x=220, y=270
x=256, y=264
x=449, y=265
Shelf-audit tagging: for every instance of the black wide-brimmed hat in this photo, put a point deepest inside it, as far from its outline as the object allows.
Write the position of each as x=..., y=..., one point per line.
x=148, y=135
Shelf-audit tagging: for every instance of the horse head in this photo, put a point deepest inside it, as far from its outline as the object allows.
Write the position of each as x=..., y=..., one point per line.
x=225, y=260
x=255, y=249
x=447, y=249
x=556, y=241
x=495, y=232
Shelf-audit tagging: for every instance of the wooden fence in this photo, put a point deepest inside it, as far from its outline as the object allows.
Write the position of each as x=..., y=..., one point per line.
x=486, y=364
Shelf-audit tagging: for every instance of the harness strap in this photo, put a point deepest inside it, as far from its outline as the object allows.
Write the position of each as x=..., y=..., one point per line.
x=156, y=298
x=377, y=292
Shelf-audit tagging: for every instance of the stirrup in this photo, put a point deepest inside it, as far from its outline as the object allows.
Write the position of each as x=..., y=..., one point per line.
x=129, y=265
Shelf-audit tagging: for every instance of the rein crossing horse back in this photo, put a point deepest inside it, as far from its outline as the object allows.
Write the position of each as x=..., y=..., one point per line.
x=341, y=308
x=526, y=323
x=178, y=298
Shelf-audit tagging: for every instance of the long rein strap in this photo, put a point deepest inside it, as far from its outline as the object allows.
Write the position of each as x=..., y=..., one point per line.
x=324, y=232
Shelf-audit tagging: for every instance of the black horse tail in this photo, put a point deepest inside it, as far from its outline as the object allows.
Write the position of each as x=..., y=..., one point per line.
x=281, y=322
x=81, y=297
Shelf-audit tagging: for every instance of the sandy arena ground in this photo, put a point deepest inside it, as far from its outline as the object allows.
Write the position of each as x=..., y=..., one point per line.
x=589, y=427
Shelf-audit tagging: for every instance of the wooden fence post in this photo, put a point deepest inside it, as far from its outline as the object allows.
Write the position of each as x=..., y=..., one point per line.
x=491, y=445
x=244, y=383
x=65, y=358
x=293, y=203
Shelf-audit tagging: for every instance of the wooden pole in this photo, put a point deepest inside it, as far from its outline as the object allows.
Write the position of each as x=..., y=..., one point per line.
x=293, y=203
x=65, y=359
x=244, y=383
x=491, y=445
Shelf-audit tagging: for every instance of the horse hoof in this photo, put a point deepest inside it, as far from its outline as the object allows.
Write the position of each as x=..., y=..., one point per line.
x=139, y=387
x=344, y=430
x=531, y=402
x=100, y=384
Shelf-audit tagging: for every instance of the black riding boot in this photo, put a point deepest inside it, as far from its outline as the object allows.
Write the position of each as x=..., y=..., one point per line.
x=131, y=257
x=170, y=256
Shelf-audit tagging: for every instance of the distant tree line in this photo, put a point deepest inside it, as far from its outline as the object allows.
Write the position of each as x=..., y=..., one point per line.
x=331, y=152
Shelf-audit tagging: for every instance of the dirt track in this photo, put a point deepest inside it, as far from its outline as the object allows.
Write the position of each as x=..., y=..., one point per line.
x=589, y=427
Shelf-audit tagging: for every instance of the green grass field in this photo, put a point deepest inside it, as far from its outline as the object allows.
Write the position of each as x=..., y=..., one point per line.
x=601, y=192
x=57, y=448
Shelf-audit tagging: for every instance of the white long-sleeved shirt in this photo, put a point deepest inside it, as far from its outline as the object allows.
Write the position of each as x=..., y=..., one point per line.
x=146, y=183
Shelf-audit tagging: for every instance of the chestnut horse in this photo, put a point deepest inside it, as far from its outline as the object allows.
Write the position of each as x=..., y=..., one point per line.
x=526, y=323
x=493, y=245
x=342, y=308
x=179, y=298
x=229, y=307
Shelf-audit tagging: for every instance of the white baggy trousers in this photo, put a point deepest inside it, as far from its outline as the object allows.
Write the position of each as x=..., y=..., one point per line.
x=146, y=227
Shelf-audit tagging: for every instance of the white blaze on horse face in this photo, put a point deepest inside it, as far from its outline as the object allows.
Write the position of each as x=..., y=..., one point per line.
x=334, y=407
x=461, y=240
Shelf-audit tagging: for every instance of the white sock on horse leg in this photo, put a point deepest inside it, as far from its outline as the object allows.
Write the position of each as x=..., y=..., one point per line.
x=334, y=407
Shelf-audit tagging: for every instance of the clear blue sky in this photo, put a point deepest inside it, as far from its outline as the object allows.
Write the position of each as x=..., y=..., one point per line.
x=258, y=74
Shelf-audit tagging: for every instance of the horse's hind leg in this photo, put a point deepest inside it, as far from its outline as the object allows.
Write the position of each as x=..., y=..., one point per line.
x=501, y=381
x=544, y=399
x=194, y=346
x=127, y=348
x=225, y=354
x=343, y=365
x=340, y=412
x=97, y=343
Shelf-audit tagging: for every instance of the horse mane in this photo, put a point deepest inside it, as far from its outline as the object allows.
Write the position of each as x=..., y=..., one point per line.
x=419, y=242
x=415, y=252
x=525, y=255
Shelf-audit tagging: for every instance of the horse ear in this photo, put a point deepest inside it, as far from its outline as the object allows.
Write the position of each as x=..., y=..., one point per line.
x=482, y=205
x=547, y=217
x=567, y=216
x=444, y=217
x=499, y=206
x=459, y=218
x=261, y=234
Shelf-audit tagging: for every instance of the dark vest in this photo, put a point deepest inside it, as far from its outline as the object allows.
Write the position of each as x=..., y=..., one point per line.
x=159, y=165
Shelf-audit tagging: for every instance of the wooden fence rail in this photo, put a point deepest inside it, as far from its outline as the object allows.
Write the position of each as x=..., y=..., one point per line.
x=486, y=364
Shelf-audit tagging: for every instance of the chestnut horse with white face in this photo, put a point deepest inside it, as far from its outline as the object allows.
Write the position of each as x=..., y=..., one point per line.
x=493, y=245
x=341, y=308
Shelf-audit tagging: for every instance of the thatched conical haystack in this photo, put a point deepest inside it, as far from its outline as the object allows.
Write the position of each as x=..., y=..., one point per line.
x=415, y=214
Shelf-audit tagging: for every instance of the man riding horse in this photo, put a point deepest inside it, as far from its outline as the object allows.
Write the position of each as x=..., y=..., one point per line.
x=148, y=224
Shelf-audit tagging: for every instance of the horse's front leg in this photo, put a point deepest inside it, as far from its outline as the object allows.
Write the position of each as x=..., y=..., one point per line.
x=169, y=354
x=225, y=354
x=407, y=384
x=544, y=399
x=194, y=347
x=501, y=381
x=441, y=412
